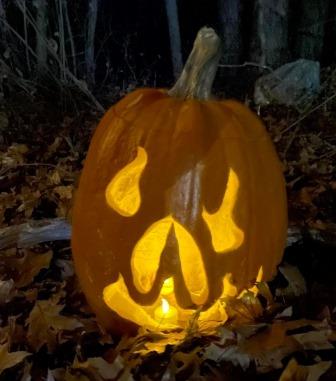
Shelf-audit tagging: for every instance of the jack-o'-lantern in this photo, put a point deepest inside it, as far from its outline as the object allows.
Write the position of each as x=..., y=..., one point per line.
x=181, y=202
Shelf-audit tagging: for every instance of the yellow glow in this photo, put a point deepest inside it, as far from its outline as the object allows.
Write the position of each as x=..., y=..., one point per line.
x=259, y=278
x=165, y=306
x=147, y=253
x=193, y=271
x=166, y=314
x=116, y=296
x=168, y=286
x=228, y=288
x=146, y=256
x=226, y=235
x=122, y=193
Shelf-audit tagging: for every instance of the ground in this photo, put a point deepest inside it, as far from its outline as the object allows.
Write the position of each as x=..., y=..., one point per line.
x=48, y=332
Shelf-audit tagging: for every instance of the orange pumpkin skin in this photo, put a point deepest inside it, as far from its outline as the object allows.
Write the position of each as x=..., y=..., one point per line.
x=194, y=150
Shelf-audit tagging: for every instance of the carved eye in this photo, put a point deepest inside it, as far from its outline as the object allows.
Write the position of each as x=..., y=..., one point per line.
x=147, y=253
x=122, y=193
x=225, y=234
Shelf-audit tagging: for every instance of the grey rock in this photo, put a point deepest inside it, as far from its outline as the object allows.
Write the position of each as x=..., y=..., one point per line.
x=293, y=84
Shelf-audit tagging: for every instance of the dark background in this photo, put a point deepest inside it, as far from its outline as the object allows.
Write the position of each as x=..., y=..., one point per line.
x=131, y=40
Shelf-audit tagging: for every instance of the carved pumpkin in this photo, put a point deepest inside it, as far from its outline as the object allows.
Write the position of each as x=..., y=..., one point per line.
x=181, y=202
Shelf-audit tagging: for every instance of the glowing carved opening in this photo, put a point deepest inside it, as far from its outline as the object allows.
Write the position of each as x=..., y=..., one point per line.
x=168, y=286
x=146, y=256
x=147, y=252
x=116, y=297
x=192, y=265
x=225, y=234
x=123, y=193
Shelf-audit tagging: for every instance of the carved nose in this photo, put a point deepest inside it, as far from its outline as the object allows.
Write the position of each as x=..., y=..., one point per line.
x=147, y=253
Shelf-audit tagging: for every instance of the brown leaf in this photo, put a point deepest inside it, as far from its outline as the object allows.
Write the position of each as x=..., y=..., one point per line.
x=296, y=282
x=31, y=266
x=7, y=290
x=105, y=369
x=314, y=340
x=296, y=372
x=64, y=191
x=10, y=359
x=45, y=323
x=244, y=309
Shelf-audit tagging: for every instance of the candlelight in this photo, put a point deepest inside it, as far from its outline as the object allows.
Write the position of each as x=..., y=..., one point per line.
x=165, y=306
x=166, y=314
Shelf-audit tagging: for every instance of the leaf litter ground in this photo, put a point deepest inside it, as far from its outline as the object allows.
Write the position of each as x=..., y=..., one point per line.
x=47, y=331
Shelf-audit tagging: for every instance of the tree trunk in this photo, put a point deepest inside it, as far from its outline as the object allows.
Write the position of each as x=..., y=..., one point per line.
x=230, y=25
x=70, y=37
x=269, y=44
x=61, y=39
x=309, y=36
x=174, y=36
x=90, y=41
x=3, y=23
x=41, y=35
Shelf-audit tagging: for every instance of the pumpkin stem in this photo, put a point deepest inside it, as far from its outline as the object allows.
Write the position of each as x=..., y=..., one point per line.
x=196, y=79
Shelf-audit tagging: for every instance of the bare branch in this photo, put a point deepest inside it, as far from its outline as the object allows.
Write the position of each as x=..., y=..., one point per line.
x=34, y=232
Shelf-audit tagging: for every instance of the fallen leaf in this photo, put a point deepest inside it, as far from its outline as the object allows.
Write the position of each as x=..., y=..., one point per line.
x=244, y=309
x=296, y=282
x=31, y=267
x=66, y=267
x=60, y=374
x=297, y=372
x=26, y=373
x=45, y=323
x=181, y=361
x=105, y=369
x=10, y=359
x=64, y=191
x=7, y=291
x=232, y=353
x=286, y=313
x=147, y=342
x=314, y=340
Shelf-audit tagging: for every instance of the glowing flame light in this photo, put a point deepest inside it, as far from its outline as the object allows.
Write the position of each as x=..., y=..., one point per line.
x=165, y=306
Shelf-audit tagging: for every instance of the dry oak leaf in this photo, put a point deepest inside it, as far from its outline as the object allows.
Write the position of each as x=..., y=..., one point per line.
x=45, y=323
x=33, y=263
x=296, y=372
x=268, y=347
x=7, y=291
x=106, y=370
x=147, y=342
x=296, y=282
x=10, y=359
x=60, y=374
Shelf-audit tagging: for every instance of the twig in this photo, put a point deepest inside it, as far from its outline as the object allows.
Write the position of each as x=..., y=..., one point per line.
x=303, y=117
x=61, y=32
x=291, y=139
x=5, y=170
x=255, y=64
x=75, y=80
x=26, y=34
x=71, y=38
